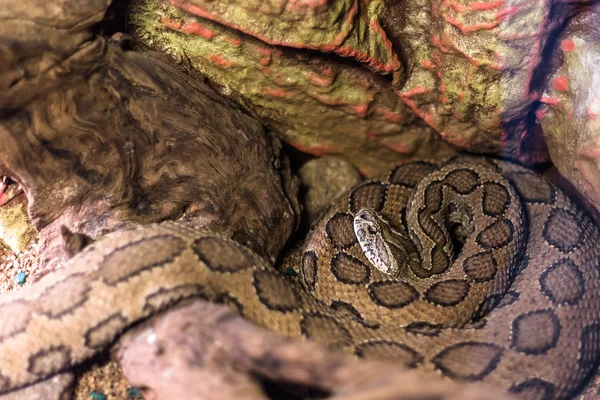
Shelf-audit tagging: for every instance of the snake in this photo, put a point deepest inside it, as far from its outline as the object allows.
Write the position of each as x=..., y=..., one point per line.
x=472, y=268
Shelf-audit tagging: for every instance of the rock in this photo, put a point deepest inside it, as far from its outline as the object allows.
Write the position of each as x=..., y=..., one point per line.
x=470, y=70
x=320, y=105
x=570, y=114
x=325, y=180
x=16, y=231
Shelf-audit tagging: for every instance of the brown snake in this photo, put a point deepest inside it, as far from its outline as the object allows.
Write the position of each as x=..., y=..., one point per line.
x=514, y=301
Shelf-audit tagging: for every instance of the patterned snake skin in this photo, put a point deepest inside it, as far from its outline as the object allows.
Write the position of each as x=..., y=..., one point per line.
x=517, y=305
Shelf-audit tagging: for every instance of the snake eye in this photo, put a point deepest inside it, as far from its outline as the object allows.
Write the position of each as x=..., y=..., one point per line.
x=371, y=230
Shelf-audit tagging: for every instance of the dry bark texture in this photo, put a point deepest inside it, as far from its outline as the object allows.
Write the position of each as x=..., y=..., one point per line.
x=206, y=351
x=102, y=138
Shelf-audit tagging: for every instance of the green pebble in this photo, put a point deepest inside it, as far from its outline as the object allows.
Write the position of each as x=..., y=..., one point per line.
x=21, y=277
x=97, y=396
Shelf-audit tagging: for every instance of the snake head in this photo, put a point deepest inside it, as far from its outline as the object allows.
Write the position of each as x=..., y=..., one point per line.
x=379, y=242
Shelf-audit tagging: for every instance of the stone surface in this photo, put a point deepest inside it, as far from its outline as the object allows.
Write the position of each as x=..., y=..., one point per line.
x=322, y=105
x=473, y=71
x=325, y=180
x=570, y=114
x=16, y=231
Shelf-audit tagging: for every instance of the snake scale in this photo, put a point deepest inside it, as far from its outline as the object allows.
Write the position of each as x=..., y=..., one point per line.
x=476, y=269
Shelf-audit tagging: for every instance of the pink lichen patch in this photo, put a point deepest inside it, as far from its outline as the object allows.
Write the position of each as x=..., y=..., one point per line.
x=389, y=115
x=220, y=60
x=474, y=6
x=427, y=64
x=319, y=79
x=507, y=13
x=234, y=41
x=482, y=6
x=361, y=110
x=265, y=61
x=534, y=95
x=541, y=113
x=425, y=116
x=400, y=148
x=466, y=29
x=373, y=62
x=192, y=28
x=277, y=92
x=316, y=150
x=459, y=8
x=372, y=134
x=415, y=91
x=266, y=58
x=561, y=83
x=476, y=63
x=567, y=45
x=299, y=5
x=325, y=70
x=201, y=12
x=442, y=43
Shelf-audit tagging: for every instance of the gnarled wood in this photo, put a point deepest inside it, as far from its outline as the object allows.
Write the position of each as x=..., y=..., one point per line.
x=206, y=351
x=101, y=139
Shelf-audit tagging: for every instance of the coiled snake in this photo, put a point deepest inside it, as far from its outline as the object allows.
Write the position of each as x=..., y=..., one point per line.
x=475, y=268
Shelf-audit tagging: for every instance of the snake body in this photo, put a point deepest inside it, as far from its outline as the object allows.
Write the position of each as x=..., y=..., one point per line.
x=514, y=302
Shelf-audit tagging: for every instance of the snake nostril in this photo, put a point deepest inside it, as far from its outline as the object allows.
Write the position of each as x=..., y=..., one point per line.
x=364, y=214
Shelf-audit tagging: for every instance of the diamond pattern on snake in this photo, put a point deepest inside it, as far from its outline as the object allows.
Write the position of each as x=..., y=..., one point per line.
x=472, y=268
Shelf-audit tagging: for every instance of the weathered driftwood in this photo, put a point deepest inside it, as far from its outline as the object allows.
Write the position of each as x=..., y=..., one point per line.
x=207, y=351
x=101, y=138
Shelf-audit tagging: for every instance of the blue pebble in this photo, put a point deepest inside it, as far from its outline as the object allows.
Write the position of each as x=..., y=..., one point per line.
x=21, y=277
x=97, y=396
